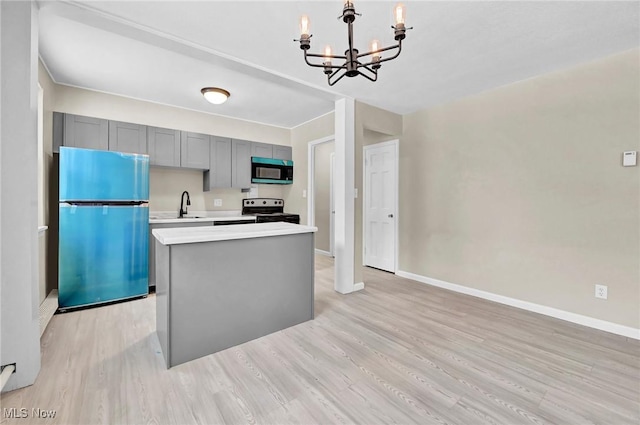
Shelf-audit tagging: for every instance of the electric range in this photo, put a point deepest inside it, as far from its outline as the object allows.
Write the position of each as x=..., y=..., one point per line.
x=268, y=210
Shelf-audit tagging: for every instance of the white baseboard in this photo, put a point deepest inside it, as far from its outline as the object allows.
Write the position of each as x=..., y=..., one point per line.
x=322, y=252
x=591, y=322
x=358, y=286
x=48, y=309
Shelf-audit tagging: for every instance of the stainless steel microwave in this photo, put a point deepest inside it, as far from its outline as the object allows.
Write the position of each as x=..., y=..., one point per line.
x=271, y=171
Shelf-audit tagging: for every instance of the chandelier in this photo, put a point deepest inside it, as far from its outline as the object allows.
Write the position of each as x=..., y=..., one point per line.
x=355, y=63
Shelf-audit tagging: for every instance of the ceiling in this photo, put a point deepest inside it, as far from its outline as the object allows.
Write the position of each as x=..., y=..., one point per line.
x=165, y=52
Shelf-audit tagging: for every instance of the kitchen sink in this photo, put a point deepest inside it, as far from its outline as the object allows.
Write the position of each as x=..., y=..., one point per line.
x=155, y=217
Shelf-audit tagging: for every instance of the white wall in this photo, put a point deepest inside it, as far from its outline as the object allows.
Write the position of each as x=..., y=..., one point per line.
x=19, y=330
x=166, y=186
x=520, y=191
x=301, y=135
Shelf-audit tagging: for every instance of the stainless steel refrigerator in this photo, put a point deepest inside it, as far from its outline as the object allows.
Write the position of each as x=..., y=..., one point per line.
x=103, y=226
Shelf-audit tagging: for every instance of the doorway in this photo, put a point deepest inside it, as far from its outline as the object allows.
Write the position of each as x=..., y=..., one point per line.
x=380, y=206
x=321, y=211
x=332, y=206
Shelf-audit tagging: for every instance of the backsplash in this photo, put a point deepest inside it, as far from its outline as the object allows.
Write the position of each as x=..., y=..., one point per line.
x=167, y=184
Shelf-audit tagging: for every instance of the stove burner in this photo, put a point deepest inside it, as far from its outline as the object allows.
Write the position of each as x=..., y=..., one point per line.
x=268, y=210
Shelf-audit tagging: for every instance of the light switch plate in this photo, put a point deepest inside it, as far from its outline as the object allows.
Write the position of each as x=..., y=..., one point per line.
x=629, y=158
x=217, y=202
x=304, y=193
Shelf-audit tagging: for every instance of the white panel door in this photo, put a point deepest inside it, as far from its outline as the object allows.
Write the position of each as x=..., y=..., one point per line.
x=380, y=189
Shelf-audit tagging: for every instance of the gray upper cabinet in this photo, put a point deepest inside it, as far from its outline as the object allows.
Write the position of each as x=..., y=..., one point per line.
x=282, y=152
x=226, y=162
x=127, y=137
x=58, y=131
x=263, y=150
x=86, y=132
x=240, y=163
x=194, y=150
x=164, y=146
x=219, y=173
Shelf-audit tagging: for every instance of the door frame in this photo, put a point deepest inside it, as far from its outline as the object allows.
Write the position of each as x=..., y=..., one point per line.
x=311, y=165
x=396, y=144
x=332, y=206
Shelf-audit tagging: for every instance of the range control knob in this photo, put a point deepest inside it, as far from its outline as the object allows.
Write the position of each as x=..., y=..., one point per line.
x=252, y=202
x=264, y=202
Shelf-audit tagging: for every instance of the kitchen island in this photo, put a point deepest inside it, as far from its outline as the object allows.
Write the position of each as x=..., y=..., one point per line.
x=220, y=286
x=168, y=219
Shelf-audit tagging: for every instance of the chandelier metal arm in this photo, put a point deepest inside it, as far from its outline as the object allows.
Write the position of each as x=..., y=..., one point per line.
x=317, y=55
x=396, y=46
x=399, y=46
x=369, y=78
x=366, y=66
x=323, y=65
x=332, y=75
x=373, y=72
x=360, y=66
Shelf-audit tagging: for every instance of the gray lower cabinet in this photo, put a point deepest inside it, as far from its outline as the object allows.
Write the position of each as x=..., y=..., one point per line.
x=127, y=137
x=240, y=163
x=262, y=150
x=86, y=132
x=194, y=150
x=163, y=145
x=219, y=173
x=282, y=152
x=152, y=244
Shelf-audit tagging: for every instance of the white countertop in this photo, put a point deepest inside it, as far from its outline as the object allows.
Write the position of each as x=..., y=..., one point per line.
x=164, y=217
x=188, y=219
x=182, y=235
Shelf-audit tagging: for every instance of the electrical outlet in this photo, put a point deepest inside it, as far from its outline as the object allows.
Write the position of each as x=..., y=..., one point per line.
x=601, y=291
x=217, y=202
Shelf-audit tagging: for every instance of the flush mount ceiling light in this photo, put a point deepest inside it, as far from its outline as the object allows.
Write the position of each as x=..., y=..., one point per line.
x=355, y=63
x=215, y=95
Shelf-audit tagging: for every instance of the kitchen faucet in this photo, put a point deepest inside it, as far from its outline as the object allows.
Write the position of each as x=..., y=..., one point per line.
x=184, y=212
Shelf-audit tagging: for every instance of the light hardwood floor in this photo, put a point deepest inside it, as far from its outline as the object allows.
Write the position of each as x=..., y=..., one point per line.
x=396, y=352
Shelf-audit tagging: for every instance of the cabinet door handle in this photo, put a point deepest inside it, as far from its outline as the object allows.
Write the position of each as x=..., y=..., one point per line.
x=390, y=216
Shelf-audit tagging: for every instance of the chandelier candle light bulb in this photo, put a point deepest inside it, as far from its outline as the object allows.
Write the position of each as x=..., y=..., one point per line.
x=375, y=54
x=399, y=13
x=327, y=55
x=304, y=26
x=327, y=60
